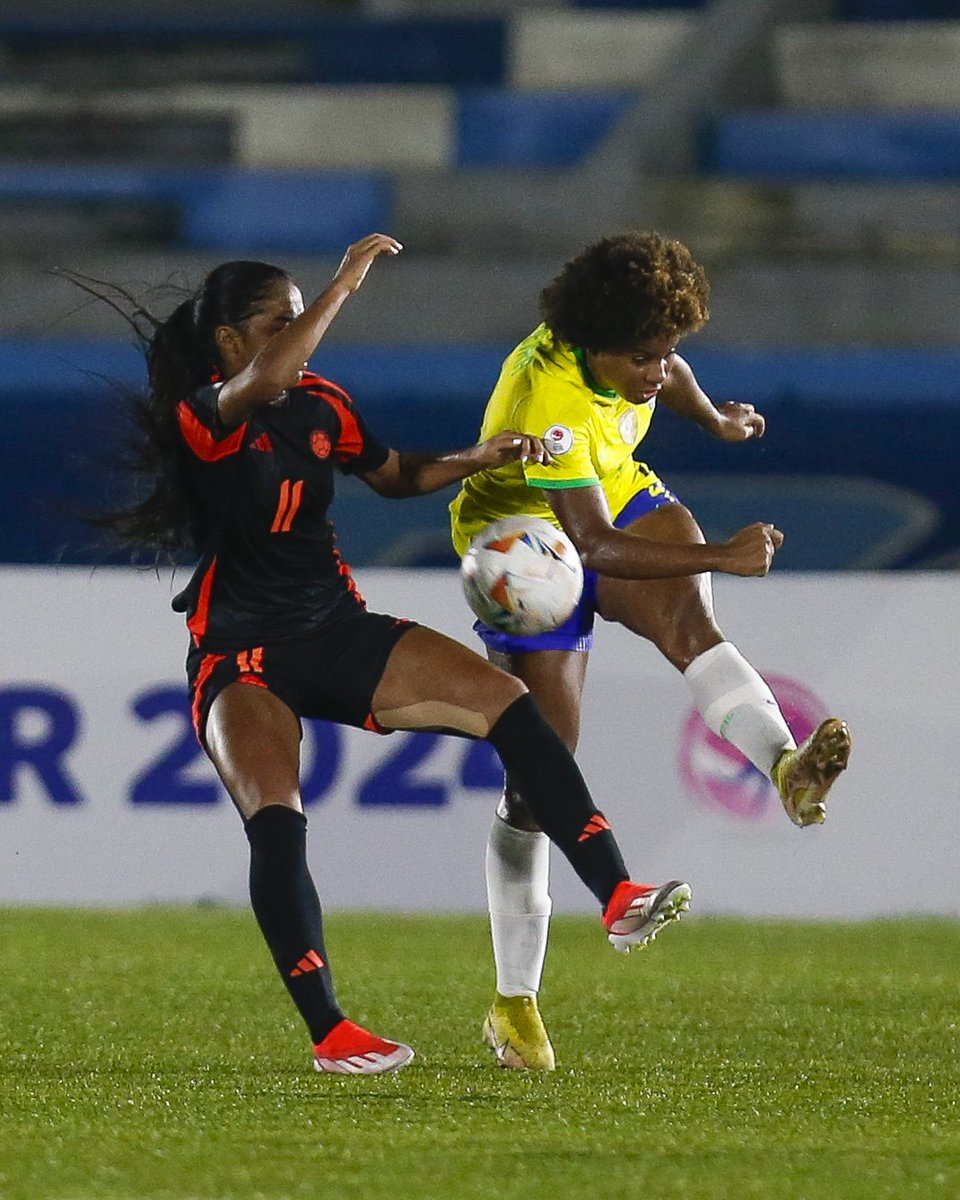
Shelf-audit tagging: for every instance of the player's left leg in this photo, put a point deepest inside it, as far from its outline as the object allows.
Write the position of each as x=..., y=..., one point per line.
x=735, y=702
x=517, y=872
x=253, y=739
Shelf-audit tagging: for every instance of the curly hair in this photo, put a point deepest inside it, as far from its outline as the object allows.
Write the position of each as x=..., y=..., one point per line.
x=626, y=290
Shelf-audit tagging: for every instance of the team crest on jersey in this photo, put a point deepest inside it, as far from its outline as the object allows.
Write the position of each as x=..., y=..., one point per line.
x=558, y=439
x=629, y=426
x=320, y=443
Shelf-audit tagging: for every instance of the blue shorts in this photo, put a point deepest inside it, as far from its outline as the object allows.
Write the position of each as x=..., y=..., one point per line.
x=576, y=633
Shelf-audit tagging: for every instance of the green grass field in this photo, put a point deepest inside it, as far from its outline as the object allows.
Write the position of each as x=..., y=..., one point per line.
x=154, y=1054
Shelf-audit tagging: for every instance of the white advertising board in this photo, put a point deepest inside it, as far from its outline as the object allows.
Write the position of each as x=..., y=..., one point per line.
x=105, y=797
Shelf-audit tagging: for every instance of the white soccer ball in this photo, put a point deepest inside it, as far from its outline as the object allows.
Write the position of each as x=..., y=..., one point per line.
x=522, y=575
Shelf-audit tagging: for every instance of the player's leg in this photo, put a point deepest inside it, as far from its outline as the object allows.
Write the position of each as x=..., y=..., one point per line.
x=677, y=616
x=517, y=869
x=253, y=739
x=433, y=682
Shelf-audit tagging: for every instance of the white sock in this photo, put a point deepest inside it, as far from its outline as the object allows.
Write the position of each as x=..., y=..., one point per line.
x=737, y=705
x=518, y=897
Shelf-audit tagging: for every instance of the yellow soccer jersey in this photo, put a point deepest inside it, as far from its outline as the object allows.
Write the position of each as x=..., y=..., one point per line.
x=545, y=389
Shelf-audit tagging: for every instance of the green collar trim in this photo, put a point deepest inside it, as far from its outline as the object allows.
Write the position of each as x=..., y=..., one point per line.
x=580, y=355
x=563, y=483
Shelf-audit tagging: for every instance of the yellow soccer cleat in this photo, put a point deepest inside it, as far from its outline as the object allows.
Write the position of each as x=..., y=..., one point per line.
x=514, y=1030
x=804, y=776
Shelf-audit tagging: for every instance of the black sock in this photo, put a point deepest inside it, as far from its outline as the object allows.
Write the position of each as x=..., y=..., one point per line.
x=287, y=909
x=545, y=774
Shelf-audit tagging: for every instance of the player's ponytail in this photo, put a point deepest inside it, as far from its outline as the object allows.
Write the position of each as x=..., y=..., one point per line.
x=176, y=364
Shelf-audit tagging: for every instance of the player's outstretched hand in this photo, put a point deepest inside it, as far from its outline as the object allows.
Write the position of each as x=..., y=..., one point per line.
x=750, y=551
x=739, y=422
x=356, y=262
x=508, y=447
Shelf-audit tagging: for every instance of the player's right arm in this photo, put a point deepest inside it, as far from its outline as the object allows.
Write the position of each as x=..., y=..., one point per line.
x=278, y=365
x=585, y=517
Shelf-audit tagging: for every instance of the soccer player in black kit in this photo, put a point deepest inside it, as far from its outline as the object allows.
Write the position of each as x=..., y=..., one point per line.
x=241, y=443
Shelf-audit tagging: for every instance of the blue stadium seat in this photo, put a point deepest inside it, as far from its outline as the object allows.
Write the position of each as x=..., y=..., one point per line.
x=897, y=10
x=638, y=4
x=225, y=207
x=512, y=128
x=854, y=145
x=285, y=210
x=337, y=49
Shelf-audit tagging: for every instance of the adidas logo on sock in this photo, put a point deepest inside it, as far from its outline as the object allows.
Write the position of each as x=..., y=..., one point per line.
x=311, y=961
x=596, y=824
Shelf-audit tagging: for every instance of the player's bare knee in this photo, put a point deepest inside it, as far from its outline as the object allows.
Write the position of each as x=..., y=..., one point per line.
x=508, y=690
x=686, y=645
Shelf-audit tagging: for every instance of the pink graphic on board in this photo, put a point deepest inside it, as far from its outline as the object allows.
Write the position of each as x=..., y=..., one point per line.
x=716, y=774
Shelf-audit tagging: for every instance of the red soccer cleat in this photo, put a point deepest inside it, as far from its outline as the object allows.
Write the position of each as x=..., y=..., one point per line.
x=636, y=912
x=350, y=1049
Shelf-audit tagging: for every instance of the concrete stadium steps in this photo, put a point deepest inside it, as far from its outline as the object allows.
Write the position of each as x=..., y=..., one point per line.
x=620, y=48
x=869, y=65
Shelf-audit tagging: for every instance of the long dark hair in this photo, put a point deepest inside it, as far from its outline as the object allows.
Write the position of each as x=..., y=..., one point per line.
x=182, y=356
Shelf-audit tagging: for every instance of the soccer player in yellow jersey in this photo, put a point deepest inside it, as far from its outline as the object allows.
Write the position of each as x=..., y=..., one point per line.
x=586, y=383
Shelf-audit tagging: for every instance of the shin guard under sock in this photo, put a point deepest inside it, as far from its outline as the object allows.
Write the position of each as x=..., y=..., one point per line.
x=287, y=909
x=546, y=775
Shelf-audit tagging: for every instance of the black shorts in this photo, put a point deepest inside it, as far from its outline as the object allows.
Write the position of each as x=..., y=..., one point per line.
x=331, y=672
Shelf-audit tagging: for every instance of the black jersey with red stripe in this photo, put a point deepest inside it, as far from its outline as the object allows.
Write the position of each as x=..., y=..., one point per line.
x=269, y=566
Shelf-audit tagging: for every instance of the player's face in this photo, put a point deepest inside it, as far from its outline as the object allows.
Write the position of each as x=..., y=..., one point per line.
x=637, y=376
x=282, y=304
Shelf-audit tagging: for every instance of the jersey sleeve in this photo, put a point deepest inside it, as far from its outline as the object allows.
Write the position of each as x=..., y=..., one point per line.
x=201, y=428
x=357, y=448
x=556, y=411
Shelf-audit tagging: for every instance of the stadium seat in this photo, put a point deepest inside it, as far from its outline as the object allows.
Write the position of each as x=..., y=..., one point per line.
x=896, y=10
x=778, y=144
x=222, y=207
x=507, y=127
x=154, y=44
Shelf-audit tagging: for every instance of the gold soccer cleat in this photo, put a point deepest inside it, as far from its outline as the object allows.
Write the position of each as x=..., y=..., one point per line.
x=514, y=1030
x=804, y=776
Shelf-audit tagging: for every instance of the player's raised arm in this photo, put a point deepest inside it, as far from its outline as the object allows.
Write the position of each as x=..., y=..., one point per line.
x=729, y=421
x=266, y=354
